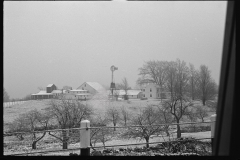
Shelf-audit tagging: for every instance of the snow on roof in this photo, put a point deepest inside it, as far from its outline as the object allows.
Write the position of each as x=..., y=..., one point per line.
x=76, y=90
x=83, y=94
x=42, y=93
x=58, y=91
x=50, y=85
x=96, y=86
x=133, y=92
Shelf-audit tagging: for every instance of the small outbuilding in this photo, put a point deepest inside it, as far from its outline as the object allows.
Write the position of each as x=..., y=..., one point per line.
x=50, y=88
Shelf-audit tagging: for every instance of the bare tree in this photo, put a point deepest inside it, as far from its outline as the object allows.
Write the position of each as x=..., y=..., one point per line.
x=154, y=72
x=31, y=121
x=193, y=81
x=101, y=134
x=113, y=115
x=201, y=113
x=42, y=88
x=171, y=78
x=165, y=117
x=67, y=88
x=124, y=85
x=177, y=107
x=68, y=114
x=149, y=117
x=207, y=88
x=18, y=125
x=212, y=105
x=125, y=115
x=192, y=116
x=6, y=97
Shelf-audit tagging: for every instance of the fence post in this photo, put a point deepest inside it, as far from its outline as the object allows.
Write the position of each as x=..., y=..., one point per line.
x=213, y=119
x=85, y=138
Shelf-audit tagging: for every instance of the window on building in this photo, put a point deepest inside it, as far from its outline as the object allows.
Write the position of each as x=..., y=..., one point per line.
x=150, y=95
x=144, y=95
x=150, y=90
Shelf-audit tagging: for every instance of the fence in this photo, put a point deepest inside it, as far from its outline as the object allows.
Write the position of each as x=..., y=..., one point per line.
x=8, y=104
x=84, y=135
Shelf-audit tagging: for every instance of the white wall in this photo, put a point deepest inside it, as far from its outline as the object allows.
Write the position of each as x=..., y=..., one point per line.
x=153, y=91
x=85, y=86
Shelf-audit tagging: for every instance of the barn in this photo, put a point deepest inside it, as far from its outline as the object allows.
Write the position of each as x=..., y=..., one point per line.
x=50, y=88
x=42, y=95
x=92, y=87
x=45, y=94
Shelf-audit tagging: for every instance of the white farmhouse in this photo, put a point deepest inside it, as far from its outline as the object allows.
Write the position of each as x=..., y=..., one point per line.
x=153, y=91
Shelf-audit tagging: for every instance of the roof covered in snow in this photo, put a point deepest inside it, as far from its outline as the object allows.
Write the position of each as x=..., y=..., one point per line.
x=42, y=93
x=58, y=91
x=50, y=85
x=96, y=86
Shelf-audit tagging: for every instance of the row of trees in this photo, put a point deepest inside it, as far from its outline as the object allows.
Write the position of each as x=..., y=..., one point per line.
x=184, y=83
x=65, y=114
x=179, y=79
x=61, y=114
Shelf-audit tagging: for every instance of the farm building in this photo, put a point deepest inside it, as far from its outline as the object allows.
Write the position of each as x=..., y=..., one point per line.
x=153, y=91
x=78, y=94
x=50, y=88
x=50, y=92
x=86, y=91
x=132, y=94
x=92, y=87
x=42, y=95
x=58, y=93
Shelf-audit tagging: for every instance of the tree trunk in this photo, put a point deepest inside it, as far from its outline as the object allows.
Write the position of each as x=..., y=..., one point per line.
x=114, y=126
x=103, y=144
x=204, y=101
x=194, y=128
x=147, y=142
x=178, y=130
x=34, y=145
x=65, y=143
x=166, y=131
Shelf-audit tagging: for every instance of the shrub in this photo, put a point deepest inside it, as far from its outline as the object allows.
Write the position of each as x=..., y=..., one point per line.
x=183, y=147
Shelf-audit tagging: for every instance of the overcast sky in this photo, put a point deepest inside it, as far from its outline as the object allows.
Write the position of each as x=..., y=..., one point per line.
x=69, y=43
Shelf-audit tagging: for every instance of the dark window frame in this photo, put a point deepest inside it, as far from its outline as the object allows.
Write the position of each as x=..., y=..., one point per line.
x=226, y=136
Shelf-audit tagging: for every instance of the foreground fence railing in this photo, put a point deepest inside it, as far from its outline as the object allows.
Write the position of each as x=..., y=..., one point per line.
x=9, y=104
x=85, y=137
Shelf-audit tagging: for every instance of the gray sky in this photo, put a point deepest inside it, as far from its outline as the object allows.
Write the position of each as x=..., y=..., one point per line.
x=69, y=43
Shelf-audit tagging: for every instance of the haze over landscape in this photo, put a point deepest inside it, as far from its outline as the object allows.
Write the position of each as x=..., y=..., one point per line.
x=69, y=43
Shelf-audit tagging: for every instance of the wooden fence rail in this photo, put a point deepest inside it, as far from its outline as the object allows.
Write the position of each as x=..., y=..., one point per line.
x=85, y=136
x=8, y=104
